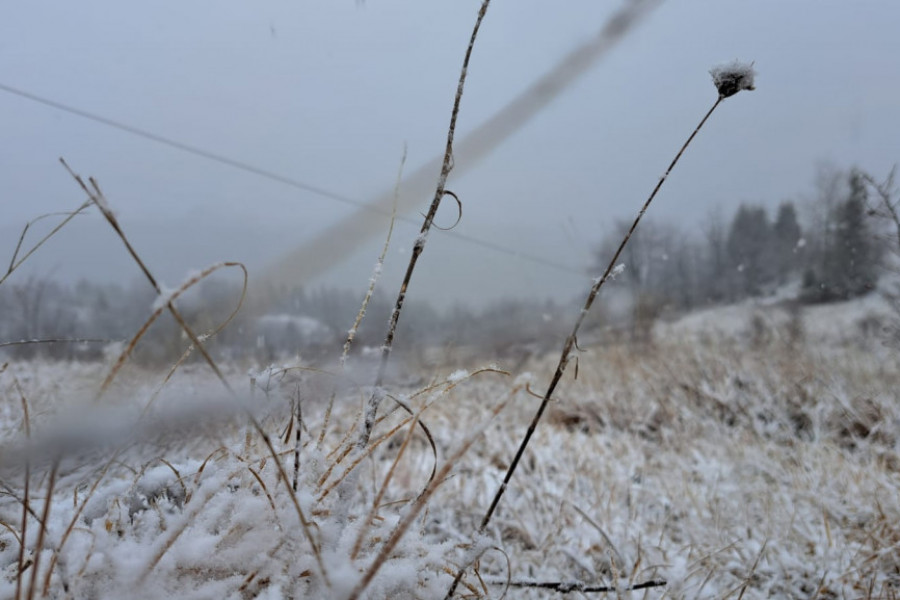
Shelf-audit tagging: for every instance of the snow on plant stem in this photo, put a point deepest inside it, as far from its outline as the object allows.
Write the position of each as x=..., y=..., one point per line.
x=729, y=80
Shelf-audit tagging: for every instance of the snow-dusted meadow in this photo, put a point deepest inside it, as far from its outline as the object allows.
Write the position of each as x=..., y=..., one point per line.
x=741, y=452
x=748, y=452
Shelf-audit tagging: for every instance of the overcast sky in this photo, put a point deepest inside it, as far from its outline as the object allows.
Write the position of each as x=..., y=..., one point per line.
x=329, y=92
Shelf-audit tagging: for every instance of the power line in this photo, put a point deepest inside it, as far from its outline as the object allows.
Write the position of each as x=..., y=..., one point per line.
x=196, y=151
x=272, y=176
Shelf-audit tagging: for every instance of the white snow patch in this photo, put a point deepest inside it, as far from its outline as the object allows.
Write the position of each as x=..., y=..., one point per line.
x=457, y=376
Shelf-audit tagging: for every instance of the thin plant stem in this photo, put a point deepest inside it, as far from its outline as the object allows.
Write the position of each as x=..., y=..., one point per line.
x=419, y=245
x=297, y=438
x=42, y=532
x=26, y=419
x=571, y=341
x=58, y=341
x=351, y=335
x=373, y=281
x=14, y=263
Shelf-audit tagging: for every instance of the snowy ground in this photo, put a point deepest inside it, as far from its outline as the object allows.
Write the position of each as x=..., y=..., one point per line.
x=741, y=455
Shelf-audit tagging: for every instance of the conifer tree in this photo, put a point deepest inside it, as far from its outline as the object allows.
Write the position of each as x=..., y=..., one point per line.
x=848, y=255
x=786, y=235
x=749, y=249
x=852, y=259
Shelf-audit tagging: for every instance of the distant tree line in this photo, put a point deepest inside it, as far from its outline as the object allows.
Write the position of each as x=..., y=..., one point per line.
x=273, y=324
x=834, y=253
x=829, y=249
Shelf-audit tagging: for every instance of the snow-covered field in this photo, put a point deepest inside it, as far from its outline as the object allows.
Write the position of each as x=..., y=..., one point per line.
x=737, y=456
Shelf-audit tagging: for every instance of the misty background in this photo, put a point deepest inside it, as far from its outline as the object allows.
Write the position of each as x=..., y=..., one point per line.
x=330, y=94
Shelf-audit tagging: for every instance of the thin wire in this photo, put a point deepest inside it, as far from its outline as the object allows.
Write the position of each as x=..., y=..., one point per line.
x=271, y=175
x=196, y=151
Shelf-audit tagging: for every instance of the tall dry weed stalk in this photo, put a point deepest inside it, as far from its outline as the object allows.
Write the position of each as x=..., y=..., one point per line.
x=419, y=244
x=729, y=80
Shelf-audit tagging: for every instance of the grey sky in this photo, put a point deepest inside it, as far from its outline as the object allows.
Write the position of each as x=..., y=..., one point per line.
x=329, y=92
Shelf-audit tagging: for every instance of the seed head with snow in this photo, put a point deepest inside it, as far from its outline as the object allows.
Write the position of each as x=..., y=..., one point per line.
x=731, y=78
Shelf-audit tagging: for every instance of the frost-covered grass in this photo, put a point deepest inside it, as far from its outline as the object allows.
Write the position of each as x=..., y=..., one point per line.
x=700, y=467
x=720, y=467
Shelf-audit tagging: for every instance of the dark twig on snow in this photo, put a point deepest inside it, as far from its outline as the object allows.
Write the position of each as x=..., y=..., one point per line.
x=567, y=587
